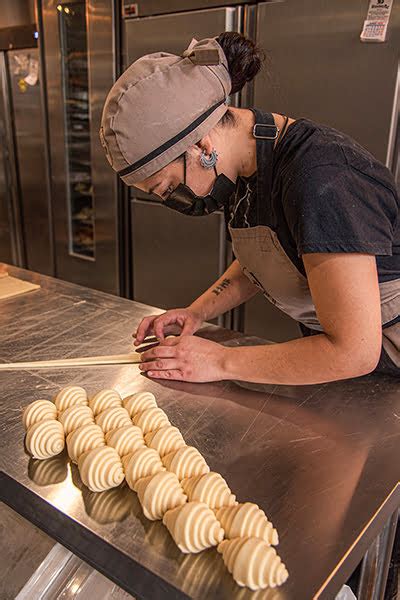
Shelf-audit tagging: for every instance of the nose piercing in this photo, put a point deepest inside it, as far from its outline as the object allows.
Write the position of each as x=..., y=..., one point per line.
x=209, y=161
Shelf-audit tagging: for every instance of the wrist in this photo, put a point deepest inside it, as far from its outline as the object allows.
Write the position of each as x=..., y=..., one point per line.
x=198, y=312
x=228, y=362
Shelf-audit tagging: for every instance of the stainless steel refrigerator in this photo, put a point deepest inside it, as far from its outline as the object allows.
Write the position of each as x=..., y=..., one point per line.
x=320, y=69
x=174, y=258
x=25, y=214
x=80, y=52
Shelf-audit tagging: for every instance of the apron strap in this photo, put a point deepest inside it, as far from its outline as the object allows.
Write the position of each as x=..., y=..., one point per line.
x=265, y=132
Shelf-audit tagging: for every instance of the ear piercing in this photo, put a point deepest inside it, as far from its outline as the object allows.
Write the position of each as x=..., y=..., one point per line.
x=209, y=161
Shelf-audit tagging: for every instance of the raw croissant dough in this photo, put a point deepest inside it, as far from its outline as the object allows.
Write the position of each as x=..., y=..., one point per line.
x=83, y=439
x=186, y=462
x=125, y=439
x=253, y=563
x=165, y=440
x=45, y=439
x=104, y=399
x=139, y=402
x=75, y=416
x=142, y=463
x=245, y=520
x=159, y=493
x=150, y=419
x=194, y=527
x=113, y=418
x=101, y=469
x=40, y=410
x=70, y=396
x=210, y=488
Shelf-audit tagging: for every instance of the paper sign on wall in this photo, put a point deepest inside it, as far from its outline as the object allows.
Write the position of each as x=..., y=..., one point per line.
x=376, y=23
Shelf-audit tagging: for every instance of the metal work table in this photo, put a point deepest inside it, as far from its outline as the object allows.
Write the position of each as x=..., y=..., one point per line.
x=322, y=461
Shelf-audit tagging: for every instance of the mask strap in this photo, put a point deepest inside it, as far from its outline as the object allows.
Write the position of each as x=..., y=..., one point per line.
x=215, y=171
x=184, y=168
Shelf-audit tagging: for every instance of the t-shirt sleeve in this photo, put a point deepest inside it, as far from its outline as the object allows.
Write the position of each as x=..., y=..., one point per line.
x=337, y=208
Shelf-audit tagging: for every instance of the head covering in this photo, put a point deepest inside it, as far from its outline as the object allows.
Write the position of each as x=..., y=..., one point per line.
x=161, y=105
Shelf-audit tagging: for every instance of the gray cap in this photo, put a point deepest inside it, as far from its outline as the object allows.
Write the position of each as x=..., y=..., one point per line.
x=161, y=105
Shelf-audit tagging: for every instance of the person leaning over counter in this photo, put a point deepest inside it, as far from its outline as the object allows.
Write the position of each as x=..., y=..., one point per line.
x=313, y=218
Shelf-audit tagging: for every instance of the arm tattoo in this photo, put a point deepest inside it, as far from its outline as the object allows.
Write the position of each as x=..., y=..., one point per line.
x=220, y=288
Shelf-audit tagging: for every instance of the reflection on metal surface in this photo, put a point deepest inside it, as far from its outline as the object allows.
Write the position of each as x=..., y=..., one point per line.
x=319, y=460
x=110, y=506
x=48, y=472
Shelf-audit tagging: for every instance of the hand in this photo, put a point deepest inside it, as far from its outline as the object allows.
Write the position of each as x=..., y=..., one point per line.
x=185, y=319
x=185, y=359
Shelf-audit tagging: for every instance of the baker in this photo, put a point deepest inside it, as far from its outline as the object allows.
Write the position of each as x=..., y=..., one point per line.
x=313, y=217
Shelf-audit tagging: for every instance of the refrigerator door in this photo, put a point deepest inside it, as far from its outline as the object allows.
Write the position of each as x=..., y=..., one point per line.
x=31, y=159
x=11, y=241
x=318, y=68
x=80, y=67
x=175, y=258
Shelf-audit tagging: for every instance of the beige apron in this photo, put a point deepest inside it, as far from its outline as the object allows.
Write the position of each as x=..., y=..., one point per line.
x=264, y=261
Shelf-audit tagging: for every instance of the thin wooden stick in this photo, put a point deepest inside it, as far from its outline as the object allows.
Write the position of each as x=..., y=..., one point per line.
x=116, y=359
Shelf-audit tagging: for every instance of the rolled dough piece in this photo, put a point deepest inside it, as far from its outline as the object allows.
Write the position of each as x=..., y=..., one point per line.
x=142, y=463
x=139, y=402
x=40, y=410
x=45, y=439
x=186, y=462
x=210, y=488
x=101, y=469
x=75, y=416
x=113, y=418
x=150, y=419
x=247, y=520
x=125, y=439
x=253, y=563
x=165, y=440
x=159, y=493
x=194, y=527
x=70, y=396
x=84, y=438
x=104, y=399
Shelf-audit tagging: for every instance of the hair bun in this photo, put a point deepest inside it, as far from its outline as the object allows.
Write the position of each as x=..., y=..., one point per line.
x=244, y=58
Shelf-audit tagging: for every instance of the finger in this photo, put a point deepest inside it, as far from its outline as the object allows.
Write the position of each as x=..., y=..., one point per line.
x=162, y=323
x=169, y=341
x=187, y=328
x=159, y=365
x=145, y=327
x=174, y=374
x=158, y=352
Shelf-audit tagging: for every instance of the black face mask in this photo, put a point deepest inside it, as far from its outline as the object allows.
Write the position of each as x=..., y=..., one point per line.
x=185, y=201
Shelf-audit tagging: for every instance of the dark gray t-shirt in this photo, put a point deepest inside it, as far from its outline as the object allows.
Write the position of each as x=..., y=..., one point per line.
x=329, y=194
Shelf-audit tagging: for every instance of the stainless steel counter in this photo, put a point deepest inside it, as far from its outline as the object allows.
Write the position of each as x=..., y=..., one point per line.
x=322, y=461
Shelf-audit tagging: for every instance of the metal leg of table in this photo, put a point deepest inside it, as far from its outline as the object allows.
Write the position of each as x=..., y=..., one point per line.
x=375, y=565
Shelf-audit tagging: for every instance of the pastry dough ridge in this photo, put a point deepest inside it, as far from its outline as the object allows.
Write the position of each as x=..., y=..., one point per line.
x=84, y=438
x=101, y=469
x=210, y=488
x=70, y=396
x=39, y=410
x=253, y=563
x=165, y=440
x=104, y=399
x=194, y=527
x=186, y=462
x=142, y=463
x=247, y=520
x=113, y=418
x=45, y=439
x=159, y=493
x=150, y=419
x=75, y=416
x=139, y=402
x=126, y=439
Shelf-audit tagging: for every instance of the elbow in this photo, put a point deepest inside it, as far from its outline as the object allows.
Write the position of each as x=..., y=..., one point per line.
x=362, y=361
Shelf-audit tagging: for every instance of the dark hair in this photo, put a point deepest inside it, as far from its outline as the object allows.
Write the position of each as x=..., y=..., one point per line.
x=244, y=58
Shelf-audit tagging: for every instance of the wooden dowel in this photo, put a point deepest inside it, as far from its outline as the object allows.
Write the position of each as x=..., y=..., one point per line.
x=116, y=359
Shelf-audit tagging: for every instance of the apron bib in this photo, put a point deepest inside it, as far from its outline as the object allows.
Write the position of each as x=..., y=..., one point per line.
x=264, y=261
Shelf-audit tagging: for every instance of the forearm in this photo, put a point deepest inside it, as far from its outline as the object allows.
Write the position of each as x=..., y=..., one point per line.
x=230, y=290
x=310, y=360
